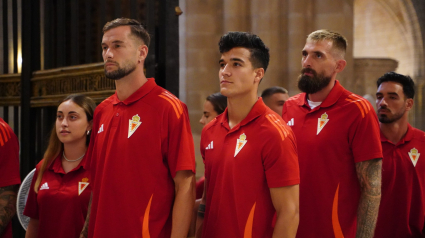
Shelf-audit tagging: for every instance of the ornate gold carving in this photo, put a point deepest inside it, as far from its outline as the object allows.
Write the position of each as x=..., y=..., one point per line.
x=49, y=87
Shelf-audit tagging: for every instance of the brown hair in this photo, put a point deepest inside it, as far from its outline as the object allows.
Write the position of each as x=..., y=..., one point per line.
x=137, y=29
x=55, y=145
x=339, y=42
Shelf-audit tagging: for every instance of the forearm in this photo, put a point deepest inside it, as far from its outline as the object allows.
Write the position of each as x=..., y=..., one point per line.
x=32, y=230
x=200, y=219
x=84, y=233
x=367, y=213
x=183, y=205
x=7, y=205
x=286, y=224
x=286, y=202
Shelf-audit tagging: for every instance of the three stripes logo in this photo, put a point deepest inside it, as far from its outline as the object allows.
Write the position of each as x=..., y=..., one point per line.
x=4, y=134
x=277, y=123
x=290, y=122
x=175, y=102
x=360, y=102
x=44, y=186
x=210, y=146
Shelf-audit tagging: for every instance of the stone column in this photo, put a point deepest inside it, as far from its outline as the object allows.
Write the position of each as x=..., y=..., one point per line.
x=269, y=22
x=366, y=73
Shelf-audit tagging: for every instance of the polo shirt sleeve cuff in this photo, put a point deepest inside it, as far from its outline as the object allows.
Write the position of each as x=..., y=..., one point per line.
x=283, y=183
x=181, y=168
x=5, y=183
x=368, y=157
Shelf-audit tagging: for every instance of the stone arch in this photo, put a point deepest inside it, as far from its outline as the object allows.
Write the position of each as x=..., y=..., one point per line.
x=390, y=29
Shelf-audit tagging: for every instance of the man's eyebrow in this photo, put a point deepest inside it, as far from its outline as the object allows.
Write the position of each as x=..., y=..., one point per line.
x=237, y=59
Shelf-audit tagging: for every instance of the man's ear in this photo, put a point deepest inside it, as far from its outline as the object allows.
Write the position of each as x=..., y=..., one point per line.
x=340, y=65
x=259, y=74
x=143, y=52
x=409, y=104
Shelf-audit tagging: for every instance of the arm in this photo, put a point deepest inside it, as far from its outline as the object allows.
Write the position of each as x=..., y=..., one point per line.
x=369, y=175
x=7, y=205
x=183, y=204
x=32, y=230
x=286, y=202
x=84, y=233
x=201, y=212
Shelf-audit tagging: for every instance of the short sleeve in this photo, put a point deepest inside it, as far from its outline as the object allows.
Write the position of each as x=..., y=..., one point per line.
x=180, y=148
x=364, y=137
x=280, y=159
x=31, y=208
x=9, y=156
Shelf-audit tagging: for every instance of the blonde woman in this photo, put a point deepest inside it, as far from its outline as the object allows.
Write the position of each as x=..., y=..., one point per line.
x=58, y=200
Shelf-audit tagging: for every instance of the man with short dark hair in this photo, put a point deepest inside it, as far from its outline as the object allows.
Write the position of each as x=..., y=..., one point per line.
x=142, y=162
x=402, y=209
x=338, y=144
x=250, y=156
x=9, y=177
x=274, y=97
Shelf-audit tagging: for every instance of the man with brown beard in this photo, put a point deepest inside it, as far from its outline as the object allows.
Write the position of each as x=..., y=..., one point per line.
x=338, y=144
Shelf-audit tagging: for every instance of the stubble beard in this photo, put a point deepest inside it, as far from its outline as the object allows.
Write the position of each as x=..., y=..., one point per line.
x=312, y=84
x=120, y=72
x=387, y=120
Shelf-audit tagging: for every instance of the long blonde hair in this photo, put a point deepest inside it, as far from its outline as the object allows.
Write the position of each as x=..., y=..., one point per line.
x=55, y=145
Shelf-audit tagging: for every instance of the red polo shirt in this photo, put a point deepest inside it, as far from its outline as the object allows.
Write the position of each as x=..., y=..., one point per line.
x=62, y=200
x=402, y=208
x=138, y=146
x=331, y=138
x=9, y=163
x=241, y=165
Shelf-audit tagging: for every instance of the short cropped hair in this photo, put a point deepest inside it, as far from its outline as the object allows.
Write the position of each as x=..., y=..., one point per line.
x=405, y=81
x=137, y=29
x=339, y=42
x=218, y=101
x=259, y=57
x=272, y=90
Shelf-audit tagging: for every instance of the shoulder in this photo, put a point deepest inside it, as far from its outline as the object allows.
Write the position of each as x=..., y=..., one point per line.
x=359, y=104
x=212, y=124
x=160, y=98
x=294, y=100
x=275, y=126
x=104, y=104
x=418, y=134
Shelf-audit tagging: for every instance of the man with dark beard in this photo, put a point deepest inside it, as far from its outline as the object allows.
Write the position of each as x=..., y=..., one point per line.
x=402, y=209
x=141, y=152
x=338, y=144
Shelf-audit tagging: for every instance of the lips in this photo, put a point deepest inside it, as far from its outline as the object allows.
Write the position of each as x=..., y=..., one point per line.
x=64, y=132
x=110, y=63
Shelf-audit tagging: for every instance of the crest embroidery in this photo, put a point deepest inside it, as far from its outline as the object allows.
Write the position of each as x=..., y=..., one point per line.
x=133, y=124
x=414, y=156
x=322, y=121
x=240, y=143
x=82, y=185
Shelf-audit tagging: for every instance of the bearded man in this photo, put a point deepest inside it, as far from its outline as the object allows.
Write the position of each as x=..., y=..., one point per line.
x=340, y=154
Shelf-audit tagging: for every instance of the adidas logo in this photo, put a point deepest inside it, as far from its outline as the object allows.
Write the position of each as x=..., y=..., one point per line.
x=100, y=129
x=210, y=146
x=290, y=122
x=44, y=186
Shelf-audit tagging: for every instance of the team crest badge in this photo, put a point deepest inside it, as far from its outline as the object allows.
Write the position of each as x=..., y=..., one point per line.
x=414, y=156
x=82, y=185
x=240, y=143
x=322, y=121
x=133, y=124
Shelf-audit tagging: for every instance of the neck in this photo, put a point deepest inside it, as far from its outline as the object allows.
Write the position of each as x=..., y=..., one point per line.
x=322, y=94
x=129, y=84
x=74, y=151
x=395, y=131
x=239, y=107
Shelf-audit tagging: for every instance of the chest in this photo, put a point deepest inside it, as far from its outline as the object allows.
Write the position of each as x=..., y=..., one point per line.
x=129, y=125
x=61, y=188
x=238, y=153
